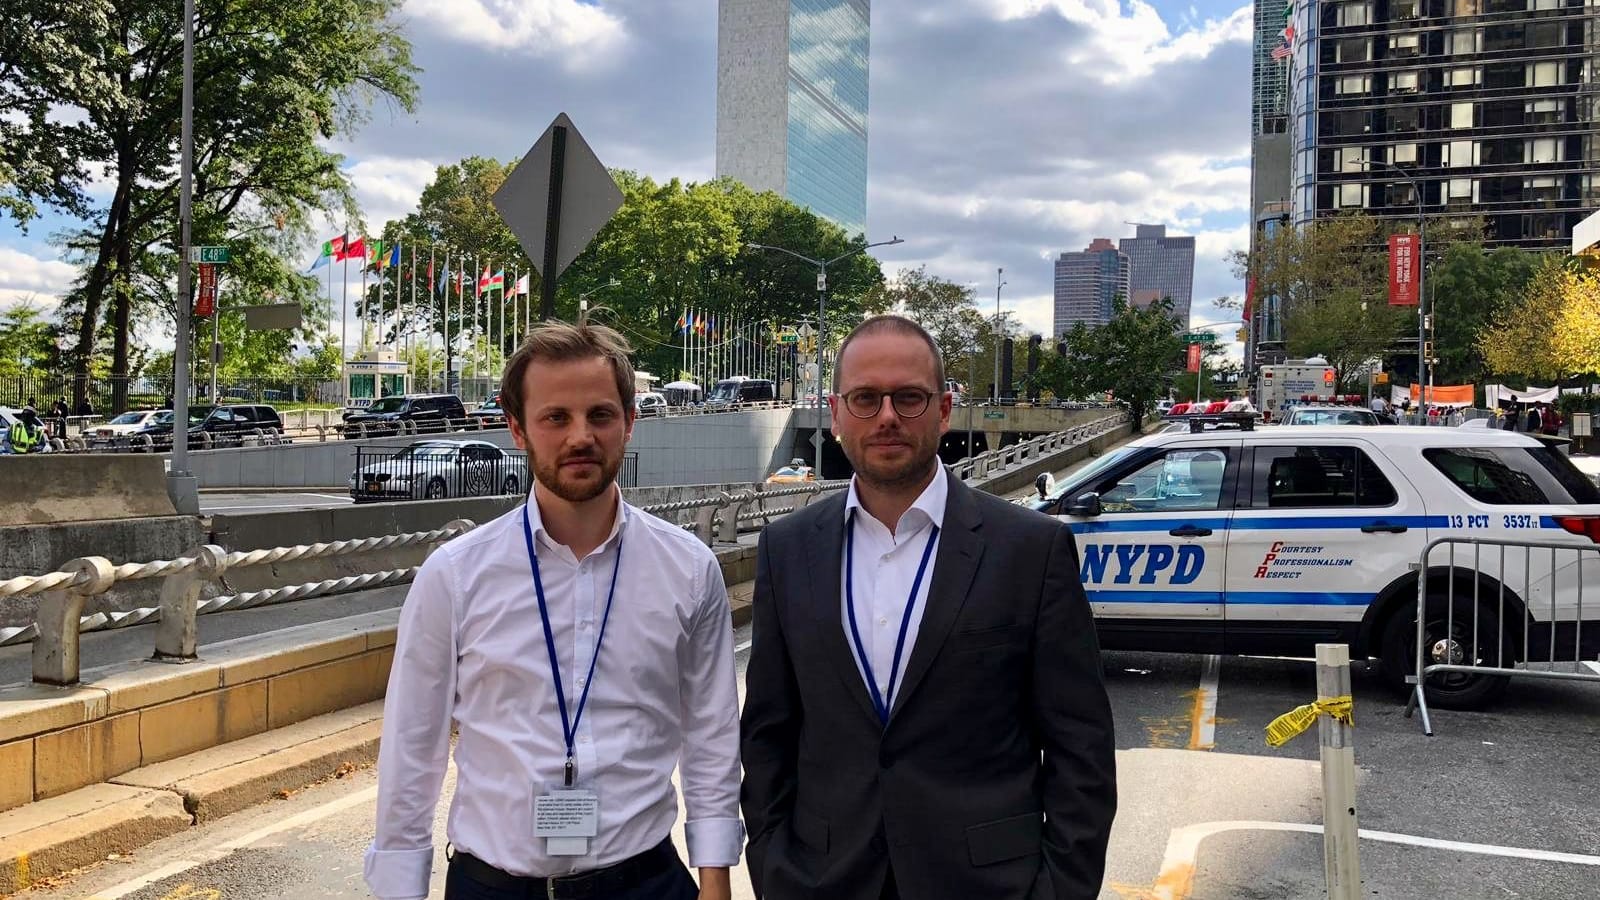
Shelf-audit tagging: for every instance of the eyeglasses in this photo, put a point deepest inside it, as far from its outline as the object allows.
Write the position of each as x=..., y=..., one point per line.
x=866, y=403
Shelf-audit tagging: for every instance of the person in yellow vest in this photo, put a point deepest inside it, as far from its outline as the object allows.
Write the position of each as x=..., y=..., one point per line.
x=27, y=433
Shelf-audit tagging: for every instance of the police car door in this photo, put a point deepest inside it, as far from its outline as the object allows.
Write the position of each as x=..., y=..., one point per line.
x=1323, y=524
x=1153, y=555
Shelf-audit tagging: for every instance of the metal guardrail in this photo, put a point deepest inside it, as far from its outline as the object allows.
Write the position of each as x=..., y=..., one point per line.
x=63, y=594
x=1479, y=623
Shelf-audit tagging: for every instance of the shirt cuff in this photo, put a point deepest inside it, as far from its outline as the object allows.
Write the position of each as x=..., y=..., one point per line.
x=399, y=874
x=714, y=843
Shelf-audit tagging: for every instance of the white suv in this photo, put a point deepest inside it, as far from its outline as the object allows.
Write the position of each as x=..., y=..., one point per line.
x=1271, y=541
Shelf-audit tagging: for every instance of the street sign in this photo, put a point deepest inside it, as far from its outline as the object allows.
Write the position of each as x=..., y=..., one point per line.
x=556, y=200
x=806, y=330
x=206, y=302
x=1381, y=378
x=272, y=317
x=1200, y=337
x=994, y=414
x=788, y=337
x=208, y=254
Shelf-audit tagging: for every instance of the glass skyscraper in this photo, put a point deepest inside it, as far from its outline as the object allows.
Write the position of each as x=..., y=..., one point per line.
x=792, y=102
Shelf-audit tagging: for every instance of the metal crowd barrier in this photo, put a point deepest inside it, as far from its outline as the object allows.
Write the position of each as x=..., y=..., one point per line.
x=994, y=462
x=1526, y=609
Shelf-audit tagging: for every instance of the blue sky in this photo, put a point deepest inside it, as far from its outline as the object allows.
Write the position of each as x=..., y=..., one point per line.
x=1002, y=132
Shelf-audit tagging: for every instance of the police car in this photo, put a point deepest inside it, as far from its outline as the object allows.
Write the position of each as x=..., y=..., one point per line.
x=1273, y=540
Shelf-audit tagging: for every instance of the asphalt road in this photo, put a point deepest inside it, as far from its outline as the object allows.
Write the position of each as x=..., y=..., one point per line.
x=246, y=502
x=1207, y=811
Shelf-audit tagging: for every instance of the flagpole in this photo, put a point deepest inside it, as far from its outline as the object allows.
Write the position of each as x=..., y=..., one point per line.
x=344, y=320
x=501, y=346
x=429, y=350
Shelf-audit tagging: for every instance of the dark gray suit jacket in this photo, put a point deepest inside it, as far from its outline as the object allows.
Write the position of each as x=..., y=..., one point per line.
x=995, y=777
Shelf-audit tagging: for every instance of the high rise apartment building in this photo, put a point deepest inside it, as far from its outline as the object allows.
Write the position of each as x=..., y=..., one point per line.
x=1490, y=106
x=792, y=102
x=1087, y=284
x=1160, y=266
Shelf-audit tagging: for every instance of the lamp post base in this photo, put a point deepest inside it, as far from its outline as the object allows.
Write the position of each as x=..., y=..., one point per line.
x=185, y=493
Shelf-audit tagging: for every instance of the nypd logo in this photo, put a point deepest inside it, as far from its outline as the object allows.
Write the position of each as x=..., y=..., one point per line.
x=1142, y=564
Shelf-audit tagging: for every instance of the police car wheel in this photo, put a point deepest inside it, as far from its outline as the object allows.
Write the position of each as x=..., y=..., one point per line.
x=1446, y=690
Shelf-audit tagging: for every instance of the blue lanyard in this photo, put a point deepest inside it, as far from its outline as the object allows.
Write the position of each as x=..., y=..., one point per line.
x=569, y=728
x=882, y=702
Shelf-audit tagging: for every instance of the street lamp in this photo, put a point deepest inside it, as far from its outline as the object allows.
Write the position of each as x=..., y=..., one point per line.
x=1422, y=251
x=998, y=284
x=583, y=298
x=822, y=312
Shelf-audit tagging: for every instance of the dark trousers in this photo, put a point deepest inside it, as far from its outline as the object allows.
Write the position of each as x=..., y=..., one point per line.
x=673, y=884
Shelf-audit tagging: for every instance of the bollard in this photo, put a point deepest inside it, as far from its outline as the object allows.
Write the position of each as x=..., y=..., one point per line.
x=55, y=650
x=177, y=633
x=704, y=518
x=1340, y=857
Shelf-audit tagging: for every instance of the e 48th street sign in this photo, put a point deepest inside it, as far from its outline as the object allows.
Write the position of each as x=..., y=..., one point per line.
x=208, y=254
x=1199, y=337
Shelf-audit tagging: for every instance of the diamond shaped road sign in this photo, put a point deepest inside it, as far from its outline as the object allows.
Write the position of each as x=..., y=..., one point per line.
x=559, y=186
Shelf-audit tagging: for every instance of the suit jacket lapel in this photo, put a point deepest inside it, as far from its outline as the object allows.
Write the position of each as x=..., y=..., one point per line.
x=825, y=553
x=955, y=565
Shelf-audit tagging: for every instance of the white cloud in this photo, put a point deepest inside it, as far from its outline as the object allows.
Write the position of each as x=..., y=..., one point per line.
x=23, y=275
x=388, y=187
x=1129, y=41
x=580, y=34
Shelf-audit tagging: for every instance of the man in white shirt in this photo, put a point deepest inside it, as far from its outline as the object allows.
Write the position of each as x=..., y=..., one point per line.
x=925, y=717
x=583, y=649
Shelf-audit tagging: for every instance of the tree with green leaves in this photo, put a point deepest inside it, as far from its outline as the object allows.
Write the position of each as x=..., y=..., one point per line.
x=1131, y=357
x=1466, y=288
x=274, y=84
x=1551, y=332
x=27, y=342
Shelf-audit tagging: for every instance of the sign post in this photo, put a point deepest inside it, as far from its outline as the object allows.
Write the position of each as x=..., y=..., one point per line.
x=555, y=201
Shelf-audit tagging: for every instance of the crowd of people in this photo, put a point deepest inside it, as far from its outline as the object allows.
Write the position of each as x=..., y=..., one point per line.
x=29, y=432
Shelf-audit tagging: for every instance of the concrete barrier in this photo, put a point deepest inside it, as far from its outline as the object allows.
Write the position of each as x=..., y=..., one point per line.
x=50, y=488
x=32, y=550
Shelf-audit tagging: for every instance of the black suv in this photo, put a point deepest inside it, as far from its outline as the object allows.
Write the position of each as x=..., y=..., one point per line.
x=225, y=424
x=427, y=412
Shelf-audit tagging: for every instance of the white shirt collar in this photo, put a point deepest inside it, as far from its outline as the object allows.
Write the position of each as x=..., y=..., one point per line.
x=536, y=522
x=931, y=502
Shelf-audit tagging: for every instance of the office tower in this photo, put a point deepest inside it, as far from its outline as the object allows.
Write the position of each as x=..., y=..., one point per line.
x=1087, y=282
x=1161, y=266
x=792, y=102
x=1488, y=104
x=1269, y=164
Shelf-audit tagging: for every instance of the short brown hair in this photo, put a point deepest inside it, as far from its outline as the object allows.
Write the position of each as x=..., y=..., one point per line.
x=561, y=342
x=894, y=325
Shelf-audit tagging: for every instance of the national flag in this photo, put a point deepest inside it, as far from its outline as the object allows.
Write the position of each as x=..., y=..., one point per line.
x=356, y=249
x=683, y=322
x=699, y=324
x=394, y=255
x=1288, y=34
x=522, y=285
x=1288, y=10
x=483, y=281
x=1283, y=51
x=444, y=278
x=712, y=328
x=498, y=282
x=430, y=267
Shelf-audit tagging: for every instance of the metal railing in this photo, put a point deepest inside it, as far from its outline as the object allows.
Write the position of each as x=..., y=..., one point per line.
x=1518, y=612
x=995, y=462
x=64, y=593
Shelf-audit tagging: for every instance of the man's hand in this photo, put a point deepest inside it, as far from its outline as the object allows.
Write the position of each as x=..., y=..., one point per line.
x=715, y=884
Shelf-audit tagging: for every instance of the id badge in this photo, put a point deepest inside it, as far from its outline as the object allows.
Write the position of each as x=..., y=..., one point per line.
x=566, y=818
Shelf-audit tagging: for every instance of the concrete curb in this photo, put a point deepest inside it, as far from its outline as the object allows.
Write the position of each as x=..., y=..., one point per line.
x=48, y=837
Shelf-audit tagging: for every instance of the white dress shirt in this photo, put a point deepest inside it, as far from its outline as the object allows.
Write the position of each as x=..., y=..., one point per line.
x=884, y=566
x=471, y=651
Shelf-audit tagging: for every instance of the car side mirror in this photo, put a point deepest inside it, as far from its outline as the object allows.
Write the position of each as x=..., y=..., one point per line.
x=1044, y=484
x=1085, y=506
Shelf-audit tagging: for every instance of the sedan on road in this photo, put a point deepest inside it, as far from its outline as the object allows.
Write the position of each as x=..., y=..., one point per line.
x=435, y=470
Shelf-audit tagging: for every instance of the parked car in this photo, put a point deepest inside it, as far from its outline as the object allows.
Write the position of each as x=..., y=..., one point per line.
x=489, y=411
x=124, y=425
x=739, y=389
x=1332, y=415
x=436, y=469
x=429, y=413
x=650, y=403
x=224, y=424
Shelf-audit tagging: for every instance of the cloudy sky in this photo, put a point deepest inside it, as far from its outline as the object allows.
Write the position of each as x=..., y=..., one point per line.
x=1002, y=132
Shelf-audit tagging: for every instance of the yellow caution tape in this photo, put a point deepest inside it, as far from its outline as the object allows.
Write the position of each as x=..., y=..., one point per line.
x=1294, y=722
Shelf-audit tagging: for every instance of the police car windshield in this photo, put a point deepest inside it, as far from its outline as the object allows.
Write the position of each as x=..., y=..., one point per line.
x=1087, y=473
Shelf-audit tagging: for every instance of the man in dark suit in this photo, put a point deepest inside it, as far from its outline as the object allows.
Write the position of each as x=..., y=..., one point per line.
x=925, y=715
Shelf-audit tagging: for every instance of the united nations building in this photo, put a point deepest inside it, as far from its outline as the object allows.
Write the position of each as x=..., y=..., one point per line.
x=792, y=102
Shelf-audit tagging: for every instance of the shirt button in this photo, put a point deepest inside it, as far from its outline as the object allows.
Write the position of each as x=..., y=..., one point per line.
x=883, y=621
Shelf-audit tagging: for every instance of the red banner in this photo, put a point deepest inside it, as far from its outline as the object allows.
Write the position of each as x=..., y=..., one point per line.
x=1194, y=358
x=1405, y=253
x=207, y=301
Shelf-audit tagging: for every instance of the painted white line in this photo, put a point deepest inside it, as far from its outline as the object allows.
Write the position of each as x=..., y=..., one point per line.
x=742, y=646
x=328, y=497
x=1203, y=730
x=1176, y=880
x=178, y=866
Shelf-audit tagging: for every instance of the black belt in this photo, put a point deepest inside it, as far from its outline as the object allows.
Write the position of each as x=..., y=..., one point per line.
x=614, y=878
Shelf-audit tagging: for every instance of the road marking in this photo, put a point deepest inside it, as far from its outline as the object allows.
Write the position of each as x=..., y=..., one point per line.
x=1176, y=880
x=1203, y=717
x=328, y=497
x=178, y=866
x=742, y=646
